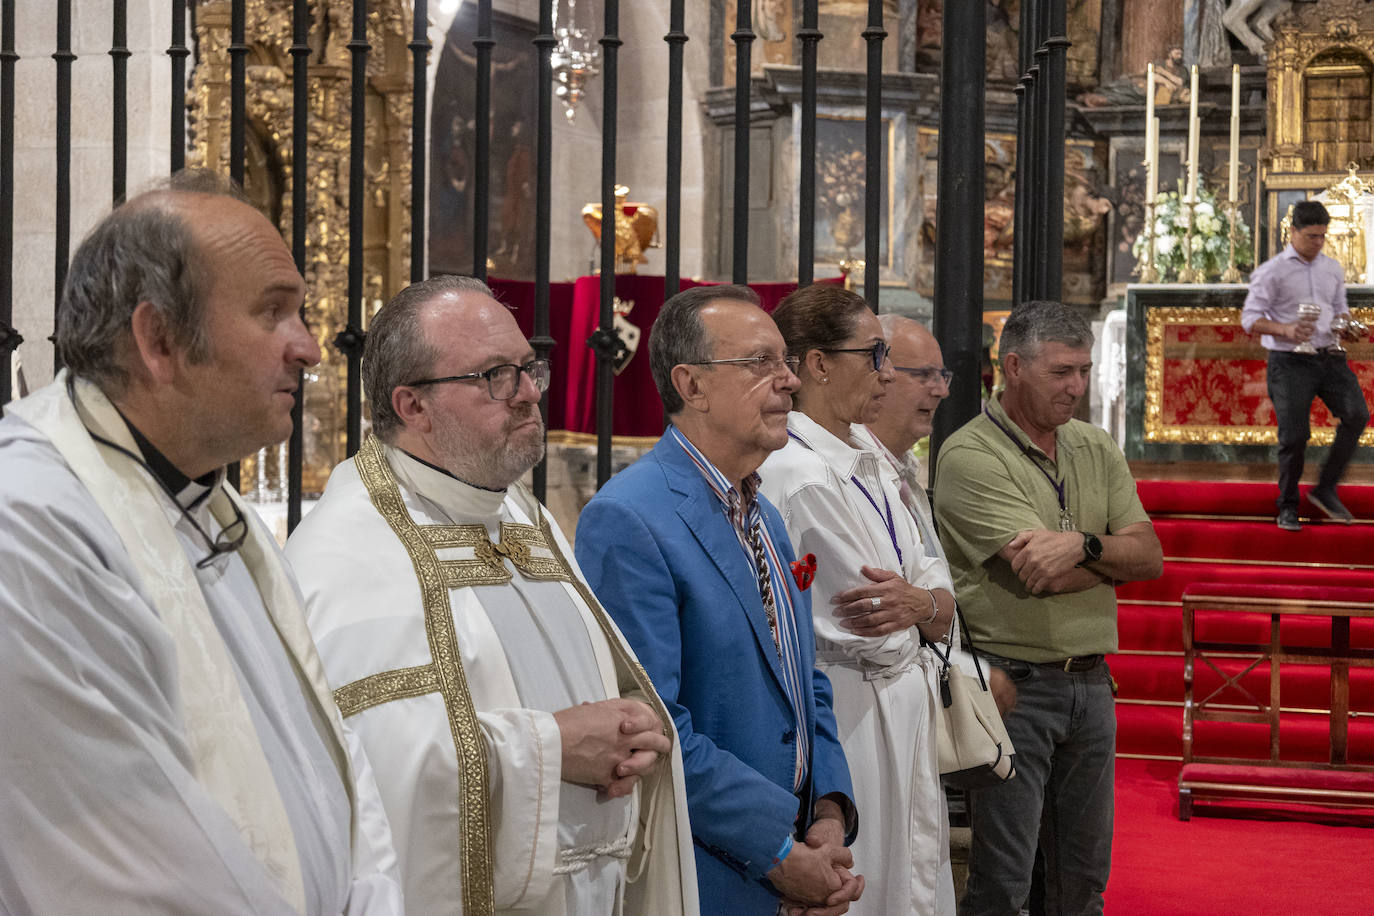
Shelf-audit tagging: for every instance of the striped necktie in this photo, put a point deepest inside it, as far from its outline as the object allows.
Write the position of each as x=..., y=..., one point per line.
x=770, y=608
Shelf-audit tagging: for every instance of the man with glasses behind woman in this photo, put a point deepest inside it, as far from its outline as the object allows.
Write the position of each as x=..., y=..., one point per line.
x=877, y=593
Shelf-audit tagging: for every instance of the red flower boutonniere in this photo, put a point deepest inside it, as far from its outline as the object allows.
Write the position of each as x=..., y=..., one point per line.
x=804, y=571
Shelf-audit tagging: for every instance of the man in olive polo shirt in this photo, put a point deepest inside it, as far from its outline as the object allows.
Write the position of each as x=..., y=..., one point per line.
x=1039, y=516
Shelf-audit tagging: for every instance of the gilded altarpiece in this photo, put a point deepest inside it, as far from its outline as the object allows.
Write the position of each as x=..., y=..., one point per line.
x=1320, y=73
x=269, y=170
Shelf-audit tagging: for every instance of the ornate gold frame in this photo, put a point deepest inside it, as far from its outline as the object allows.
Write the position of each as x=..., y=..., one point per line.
x=1156, y=319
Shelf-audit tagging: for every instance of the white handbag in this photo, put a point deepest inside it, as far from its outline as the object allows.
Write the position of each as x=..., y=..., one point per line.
x=974, y=748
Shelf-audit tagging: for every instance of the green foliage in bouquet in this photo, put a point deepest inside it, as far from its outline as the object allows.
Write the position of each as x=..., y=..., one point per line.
x=1211, y=245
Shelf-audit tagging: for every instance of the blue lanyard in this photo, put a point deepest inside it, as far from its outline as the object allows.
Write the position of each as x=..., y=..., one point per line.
x=885, y=516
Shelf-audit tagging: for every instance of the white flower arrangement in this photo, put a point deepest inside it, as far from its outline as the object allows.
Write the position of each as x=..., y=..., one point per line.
x=1211, y=245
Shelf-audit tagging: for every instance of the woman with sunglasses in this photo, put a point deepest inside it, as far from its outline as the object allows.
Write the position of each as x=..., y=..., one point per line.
x=876, y=594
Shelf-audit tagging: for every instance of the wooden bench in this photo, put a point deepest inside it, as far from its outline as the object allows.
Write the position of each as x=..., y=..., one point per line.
x=1336, y=782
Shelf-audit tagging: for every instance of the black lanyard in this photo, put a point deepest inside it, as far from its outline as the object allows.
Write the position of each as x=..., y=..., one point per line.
x=1065, y=517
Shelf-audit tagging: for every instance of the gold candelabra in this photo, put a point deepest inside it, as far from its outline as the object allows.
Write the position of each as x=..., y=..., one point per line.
x=1145, y=264
x=1232, y=273
x=1188, y=273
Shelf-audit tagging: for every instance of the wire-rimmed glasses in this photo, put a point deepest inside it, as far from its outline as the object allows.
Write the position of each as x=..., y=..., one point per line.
x=761, y=365
x=927, y=375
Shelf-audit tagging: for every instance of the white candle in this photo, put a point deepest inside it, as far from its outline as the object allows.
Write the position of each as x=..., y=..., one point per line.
x=1235, y=132
x=1152, y=175
x=1149, y=113
x=1193, y=127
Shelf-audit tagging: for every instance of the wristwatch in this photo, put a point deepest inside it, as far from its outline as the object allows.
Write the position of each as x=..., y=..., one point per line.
x=1092, y=548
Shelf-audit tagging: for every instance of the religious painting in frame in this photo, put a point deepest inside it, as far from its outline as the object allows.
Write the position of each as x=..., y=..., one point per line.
x=453, y=182
x=840, y=195
x=1128, y=186
x=1205, y=380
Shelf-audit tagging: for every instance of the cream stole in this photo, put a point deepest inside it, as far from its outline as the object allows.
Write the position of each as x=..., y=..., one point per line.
x=227, y=757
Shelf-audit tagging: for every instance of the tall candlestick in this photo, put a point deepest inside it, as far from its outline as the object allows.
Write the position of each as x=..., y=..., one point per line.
x=1193, y=127
x=1234, y=174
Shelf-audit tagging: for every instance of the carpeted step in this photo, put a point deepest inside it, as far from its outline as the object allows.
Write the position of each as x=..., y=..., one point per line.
x=1235, y=499
x=1221, y=540
x=1148, y=626
x=1159, y=628
x=1158, y=731
x=1158, y=677
x=1178, y=575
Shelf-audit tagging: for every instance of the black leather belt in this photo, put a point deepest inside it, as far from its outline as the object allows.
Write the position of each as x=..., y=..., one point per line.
x=1075, y=665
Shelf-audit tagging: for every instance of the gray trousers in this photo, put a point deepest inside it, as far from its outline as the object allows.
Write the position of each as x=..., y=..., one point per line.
x=1064, y=730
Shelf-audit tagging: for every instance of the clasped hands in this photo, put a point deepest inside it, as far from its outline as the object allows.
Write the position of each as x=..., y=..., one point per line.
x=900, y=604
x=610, y=744
x=816, y=878
x=1047, y=561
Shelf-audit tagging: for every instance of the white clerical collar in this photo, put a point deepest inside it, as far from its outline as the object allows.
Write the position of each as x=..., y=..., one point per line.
x=458, y=497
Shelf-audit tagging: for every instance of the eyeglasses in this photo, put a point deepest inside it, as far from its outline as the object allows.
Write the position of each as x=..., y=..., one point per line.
x=878, y=352
x=927, y=375
x=762, y=365
x=503, y=381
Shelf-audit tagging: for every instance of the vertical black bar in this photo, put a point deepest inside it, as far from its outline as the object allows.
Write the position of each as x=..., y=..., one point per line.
x=873, y=151
x=119, y=128
x=672, y=211
x=808, y=35
x=178, y=52
x=351, y=340
x=1052, y=206
x=1025, y=103
x=238, y=82
x=9, y=337
x=959, y=213
x=1038, y=196
x=63, y=192
x=482, y=201
x=542, y=342
x=300, y=148
x=1028, y=156
x=238, y=139
x=605, y=373
x=743, y=37
x=419, y=90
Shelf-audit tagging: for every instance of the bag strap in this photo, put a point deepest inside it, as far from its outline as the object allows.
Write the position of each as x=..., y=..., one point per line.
x=968, y=642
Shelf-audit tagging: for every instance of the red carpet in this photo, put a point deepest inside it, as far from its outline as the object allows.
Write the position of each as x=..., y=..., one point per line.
x=1224, y=532
x=1162, y=866
x=1301, y=861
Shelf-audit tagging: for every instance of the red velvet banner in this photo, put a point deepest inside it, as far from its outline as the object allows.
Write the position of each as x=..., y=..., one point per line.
x=574, y=313
x=1205, y=380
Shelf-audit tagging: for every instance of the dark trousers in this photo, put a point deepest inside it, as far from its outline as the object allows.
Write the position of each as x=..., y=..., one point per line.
x=1295, y=379
x=1063, y=728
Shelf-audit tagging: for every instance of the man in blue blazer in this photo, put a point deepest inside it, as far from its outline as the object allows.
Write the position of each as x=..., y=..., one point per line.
x=697, y=571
